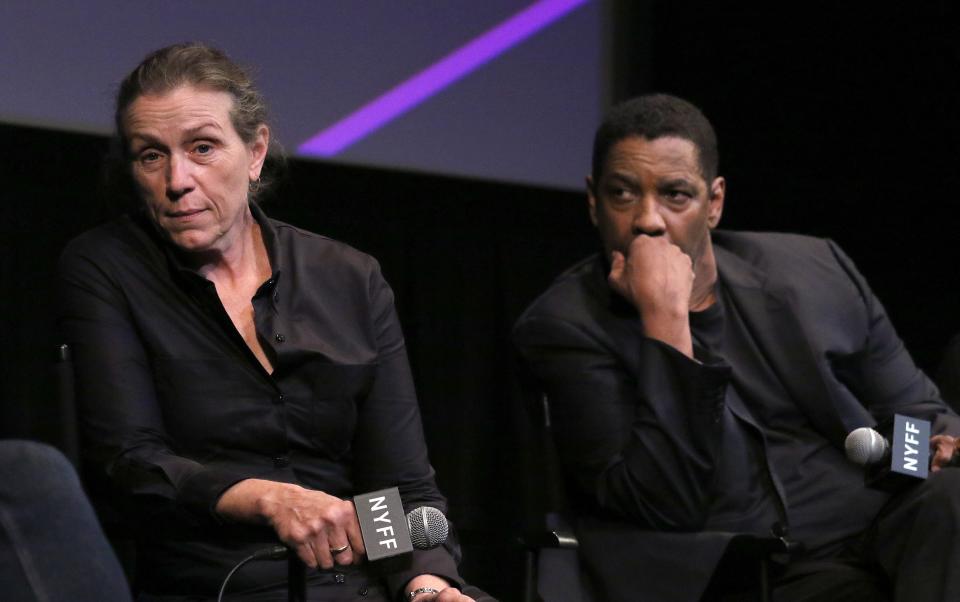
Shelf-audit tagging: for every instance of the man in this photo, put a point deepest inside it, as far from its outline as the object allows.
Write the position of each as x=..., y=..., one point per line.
x=51, y=546
x=702, y=384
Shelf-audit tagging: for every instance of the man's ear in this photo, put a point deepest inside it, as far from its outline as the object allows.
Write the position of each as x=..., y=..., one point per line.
x=718, y=190
x=591, y=200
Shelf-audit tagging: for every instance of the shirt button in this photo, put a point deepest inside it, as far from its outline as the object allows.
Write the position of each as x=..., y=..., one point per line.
x=278, y=398
x=279, y=338
x=340, y=578
x=281, y=462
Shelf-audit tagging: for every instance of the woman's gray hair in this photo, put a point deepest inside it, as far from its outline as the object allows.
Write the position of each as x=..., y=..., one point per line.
x=196, y=64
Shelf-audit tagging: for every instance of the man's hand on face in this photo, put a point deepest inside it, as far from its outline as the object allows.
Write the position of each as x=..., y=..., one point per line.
x=656, y=277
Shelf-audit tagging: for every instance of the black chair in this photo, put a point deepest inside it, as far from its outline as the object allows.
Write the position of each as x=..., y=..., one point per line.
x=66, y=405
x=948, y=373
x=552, y=571
x=118, y=531
x=551, y=565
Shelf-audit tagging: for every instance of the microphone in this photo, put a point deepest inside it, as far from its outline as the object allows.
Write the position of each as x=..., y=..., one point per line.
x=389, y=542
x=890, y=467
x=866, y=447
x=428, y=527
x=384, y=536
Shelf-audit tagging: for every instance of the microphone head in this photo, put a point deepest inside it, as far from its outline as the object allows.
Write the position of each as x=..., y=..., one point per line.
x=865, y=446
x=428, y=527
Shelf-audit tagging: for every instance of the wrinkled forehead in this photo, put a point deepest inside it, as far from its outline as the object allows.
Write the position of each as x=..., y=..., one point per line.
x=665, y=155
x=178, y=103
x=173, y=118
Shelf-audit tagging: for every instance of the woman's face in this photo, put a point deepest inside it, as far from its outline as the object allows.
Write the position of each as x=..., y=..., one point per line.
x=191, y=167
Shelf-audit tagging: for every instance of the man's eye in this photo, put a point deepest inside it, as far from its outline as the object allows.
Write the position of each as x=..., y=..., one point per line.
x=147, y=157
x=203, y=149
x=678, y=196
x=620, y=194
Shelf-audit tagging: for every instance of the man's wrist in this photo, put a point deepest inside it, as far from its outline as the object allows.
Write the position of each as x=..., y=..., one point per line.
x=674, y=332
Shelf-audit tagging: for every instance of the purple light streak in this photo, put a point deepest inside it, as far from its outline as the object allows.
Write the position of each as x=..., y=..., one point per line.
x=408, y=94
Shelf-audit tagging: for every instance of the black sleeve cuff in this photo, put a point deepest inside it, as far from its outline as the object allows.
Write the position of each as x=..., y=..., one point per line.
x=437, y=561
x=201, y=491
x=703, y=382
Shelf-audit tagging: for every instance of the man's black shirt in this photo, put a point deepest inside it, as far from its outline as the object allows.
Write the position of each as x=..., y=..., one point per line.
x=775, y=467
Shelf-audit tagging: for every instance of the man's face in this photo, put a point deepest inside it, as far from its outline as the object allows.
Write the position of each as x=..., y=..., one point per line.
x=191, y=167
x=655, y=187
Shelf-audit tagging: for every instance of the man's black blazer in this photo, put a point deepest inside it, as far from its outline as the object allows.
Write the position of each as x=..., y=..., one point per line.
x=636, y=421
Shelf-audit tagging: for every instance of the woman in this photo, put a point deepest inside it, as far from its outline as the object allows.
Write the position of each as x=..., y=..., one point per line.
x=238, y=377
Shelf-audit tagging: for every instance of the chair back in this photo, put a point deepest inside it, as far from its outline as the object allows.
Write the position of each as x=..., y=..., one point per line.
x=67, y=405
x=119, y=532
x=552, y=571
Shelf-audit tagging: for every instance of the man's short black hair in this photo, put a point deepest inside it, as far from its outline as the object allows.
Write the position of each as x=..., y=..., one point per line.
x=655, y=116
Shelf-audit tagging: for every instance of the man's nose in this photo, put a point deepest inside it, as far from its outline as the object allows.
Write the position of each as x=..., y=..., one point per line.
x=647, y=218
x=179, y=177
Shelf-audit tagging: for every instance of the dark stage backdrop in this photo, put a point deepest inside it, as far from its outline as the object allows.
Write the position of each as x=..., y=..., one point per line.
x=839, y=119
x=838, y=122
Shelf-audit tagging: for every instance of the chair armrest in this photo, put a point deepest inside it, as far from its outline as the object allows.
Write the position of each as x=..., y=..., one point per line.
x=556, y=533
